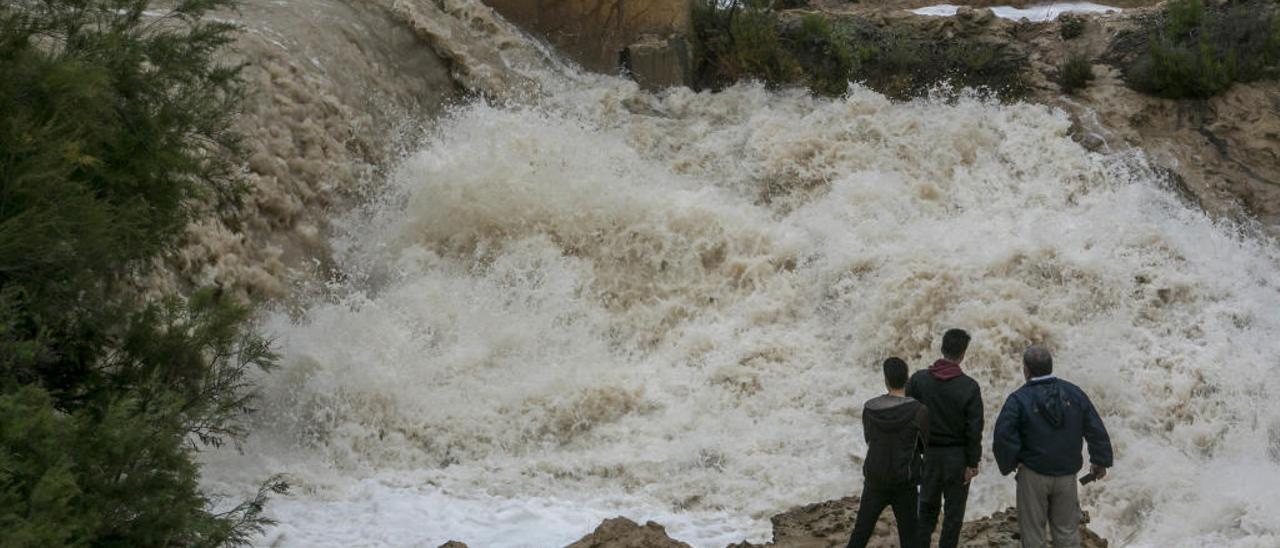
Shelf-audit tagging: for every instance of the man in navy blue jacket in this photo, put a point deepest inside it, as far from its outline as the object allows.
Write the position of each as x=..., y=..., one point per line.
x=1040, y=433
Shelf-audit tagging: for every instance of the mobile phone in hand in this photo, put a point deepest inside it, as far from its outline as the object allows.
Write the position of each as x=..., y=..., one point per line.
x=1087, y=479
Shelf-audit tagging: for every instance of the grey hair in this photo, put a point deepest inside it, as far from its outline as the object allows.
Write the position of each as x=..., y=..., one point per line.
x=1038, y=361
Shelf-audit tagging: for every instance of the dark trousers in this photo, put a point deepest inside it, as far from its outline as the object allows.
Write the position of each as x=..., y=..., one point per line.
x=902, y=498
x=943, y=489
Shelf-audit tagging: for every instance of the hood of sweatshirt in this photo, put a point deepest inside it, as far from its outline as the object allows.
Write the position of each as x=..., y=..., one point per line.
x=889, y=412
x=945, y=370
x=1050, y=402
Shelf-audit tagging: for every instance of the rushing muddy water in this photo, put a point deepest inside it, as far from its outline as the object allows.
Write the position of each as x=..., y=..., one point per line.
x=577, y=300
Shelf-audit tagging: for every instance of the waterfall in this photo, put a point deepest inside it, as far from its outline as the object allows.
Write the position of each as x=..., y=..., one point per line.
x=573, y=299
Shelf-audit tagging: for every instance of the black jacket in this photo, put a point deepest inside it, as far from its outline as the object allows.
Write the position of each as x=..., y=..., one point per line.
x=896, y=430
x=1044, y=425
x=955, y=412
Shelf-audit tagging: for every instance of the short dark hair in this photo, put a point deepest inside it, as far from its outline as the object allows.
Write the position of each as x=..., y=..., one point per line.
x=954, y=343
x=1038, y=361
x=895, y=373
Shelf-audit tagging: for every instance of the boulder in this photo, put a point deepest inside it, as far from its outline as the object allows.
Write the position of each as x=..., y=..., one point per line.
x=623, y=533
x=657, y=63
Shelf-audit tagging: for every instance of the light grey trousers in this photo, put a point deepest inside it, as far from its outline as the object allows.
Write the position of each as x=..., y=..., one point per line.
x=1048, y=500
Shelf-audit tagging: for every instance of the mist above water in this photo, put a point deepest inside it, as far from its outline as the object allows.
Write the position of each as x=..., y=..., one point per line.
x=587, y=300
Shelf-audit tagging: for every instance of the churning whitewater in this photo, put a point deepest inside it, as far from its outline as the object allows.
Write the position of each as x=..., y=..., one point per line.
x=588, y=300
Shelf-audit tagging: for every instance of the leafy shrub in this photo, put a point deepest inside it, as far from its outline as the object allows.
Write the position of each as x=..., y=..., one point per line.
x=121, y=477
x=972, y=57
x=114, y=135
x=1071, y=26
x=827, y=58
x=740, y=41
x=1177, y=72
x=1075, y=73
x=1182, y=17
x=1200, y=52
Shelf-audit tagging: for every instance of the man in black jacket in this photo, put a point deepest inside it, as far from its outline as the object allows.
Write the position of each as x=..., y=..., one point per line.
x=1040, y=433
x=955, y=438
x=896, y=429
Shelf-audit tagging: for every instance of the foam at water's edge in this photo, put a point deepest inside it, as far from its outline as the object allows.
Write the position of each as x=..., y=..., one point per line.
x=673, y=305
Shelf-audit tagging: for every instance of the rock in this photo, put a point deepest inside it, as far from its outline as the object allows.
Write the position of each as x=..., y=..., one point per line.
x=975, y=16
x=593, y=32
x=623, y=533
x=828, y=524
x=657, y=63
x=825, y=524
x=1001, y=529
x=453, y=544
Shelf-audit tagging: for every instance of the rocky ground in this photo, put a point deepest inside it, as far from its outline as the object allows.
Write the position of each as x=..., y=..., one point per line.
x=821, y=525
x=828, y=524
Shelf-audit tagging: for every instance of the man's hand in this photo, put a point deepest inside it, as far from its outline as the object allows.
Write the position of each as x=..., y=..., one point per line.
x=1098, y=472
x=969, y=474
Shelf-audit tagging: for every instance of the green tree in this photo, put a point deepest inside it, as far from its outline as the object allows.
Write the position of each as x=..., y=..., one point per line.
x=115, y=133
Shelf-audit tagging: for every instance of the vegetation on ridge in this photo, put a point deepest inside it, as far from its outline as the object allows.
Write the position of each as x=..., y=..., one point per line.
x=750, y=40
x=1200, y=51
x=115, y=135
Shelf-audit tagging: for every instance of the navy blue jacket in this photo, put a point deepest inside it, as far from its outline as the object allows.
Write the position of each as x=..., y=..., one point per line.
x=1043, y=426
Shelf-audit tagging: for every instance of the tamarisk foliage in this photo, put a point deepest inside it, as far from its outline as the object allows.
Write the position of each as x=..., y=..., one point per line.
x=115, y=134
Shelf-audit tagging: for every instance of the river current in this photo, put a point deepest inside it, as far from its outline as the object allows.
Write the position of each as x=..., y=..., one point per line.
x=575, y=299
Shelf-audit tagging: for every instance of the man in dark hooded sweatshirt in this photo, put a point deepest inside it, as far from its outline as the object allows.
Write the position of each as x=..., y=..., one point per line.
x=897, y=430
x=955, y=439
x=1039, y=433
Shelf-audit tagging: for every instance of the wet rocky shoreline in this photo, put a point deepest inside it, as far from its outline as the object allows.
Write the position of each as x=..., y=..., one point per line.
x=820, y=525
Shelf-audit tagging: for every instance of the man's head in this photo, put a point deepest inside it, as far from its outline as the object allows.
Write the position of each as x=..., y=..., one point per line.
x=895, y=374
x=955, y=342
x=1037, y=362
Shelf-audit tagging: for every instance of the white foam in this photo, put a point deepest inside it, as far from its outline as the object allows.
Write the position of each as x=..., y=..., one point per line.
x=391, y=511
x=1046, y=12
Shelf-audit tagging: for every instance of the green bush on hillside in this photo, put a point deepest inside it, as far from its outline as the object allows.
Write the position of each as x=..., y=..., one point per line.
x=1075, y=73
x=115, y=135
x=1200, y=52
